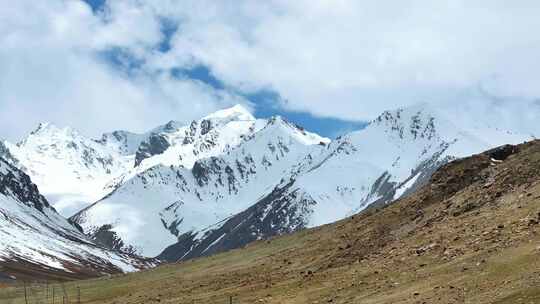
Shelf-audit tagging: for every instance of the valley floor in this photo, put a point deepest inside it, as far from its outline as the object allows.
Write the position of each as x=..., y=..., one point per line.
x=470, y=236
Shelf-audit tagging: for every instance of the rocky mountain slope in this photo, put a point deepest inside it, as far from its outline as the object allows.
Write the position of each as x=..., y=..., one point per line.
x=228, y=179
x=471, y=234
x=394, y=155
x=224, y=163
x=35, y=241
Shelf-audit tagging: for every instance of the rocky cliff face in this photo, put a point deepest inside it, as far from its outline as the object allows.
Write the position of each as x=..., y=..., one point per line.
x=36, y=238
x=5, y=153
x=18, y=186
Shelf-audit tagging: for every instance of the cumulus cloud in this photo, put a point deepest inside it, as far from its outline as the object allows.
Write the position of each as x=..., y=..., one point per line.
x=51, y=70
x=339, y=58
x=354, y=58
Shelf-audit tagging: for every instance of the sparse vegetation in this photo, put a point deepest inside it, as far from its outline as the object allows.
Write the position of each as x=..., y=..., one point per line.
x=472, y=235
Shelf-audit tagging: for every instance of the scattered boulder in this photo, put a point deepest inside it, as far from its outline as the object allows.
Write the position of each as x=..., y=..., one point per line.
x=501, y=153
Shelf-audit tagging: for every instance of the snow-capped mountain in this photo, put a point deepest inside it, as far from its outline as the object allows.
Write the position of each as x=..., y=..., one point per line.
x=227, y=179
x=70, y=169
x=392, y=156
x=213, y=169
x=32, y=233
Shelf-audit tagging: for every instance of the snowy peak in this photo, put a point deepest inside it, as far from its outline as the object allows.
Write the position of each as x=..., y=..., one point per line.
x=237, y=112
x=176, y=144
x=412, y=123
x=295, y=131
x=174, y=132
x=48, y=139
x=45, y=127
x=170, y=127
x=47, y=132
x=64, y=163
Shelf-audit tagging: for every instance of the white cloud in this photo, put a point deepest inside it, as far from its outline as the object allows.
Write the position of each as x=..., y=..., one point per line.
x=342, y=58
x=354, y=58
x=49, y=71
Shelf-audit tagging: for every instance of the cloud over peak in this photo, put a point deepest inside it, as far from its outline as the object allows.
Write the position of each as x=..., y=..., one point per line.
x=114, y=65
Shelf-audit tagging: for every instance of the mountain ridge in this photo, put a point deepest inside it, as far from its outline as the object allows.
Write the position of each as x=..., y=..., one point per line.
x=183, y=184
x=213, y=179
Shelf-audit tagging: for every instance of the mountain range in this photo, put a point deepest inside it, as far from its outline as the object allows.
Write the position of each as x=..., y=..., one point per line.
x=184, y=190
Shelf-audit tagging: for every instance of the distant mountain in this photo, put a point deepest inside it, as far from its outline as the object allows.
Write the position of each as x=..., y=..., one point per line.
x=70, y=169
x=394, y=155
x=35, y=240
x=228, y=178
x=213, y=169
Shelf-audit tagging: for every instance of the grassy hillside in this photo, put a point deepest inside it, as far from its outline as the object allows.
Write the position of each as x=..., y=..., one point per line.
x=472, y=235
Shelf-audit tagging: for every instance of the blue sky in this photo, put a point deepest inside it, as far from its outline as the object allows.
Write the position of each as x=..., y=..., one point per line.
x=132, y=64
x=95, y=4
x=267, y=103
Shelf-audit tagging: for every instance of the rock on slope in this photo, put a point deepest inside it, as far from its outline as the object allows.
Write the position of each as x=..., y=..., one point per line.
x=36, y=241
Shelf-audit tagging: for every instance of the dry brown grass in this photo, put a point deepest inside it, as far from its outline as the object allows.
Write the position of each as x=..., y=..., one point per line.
x=471, y=236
